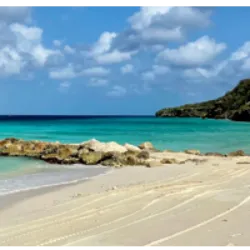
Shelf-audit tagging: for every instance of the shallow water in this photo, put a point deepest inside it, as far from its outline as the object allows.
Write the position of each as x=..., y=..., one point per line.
x=21, y=174
x=165, y=133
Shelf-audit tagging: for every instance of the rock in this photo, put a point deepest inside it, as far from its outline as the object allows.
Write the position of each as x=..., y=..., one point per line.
x=91, y=158
x=131, y=160
x=192, y=152
x=169, y=161
x=144, y=154
x=237, y=153
x=97, y=146
x=50, y=149
x=83, y=151
x=153, y=163
x=215, y=154
x=147, y=146
x=131, y=147
x=52, y=158
x=116, y=159
x=114, y=147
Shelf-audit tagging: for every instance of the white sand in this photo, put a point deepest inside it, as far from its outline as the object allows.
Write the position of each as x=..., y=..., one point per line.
x=188, y=204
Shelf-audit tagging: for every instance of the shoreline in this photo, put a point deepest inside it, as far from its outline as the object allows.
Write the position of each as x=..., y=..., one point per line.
x=94, y=152
x=17, y=195
x=169, y=201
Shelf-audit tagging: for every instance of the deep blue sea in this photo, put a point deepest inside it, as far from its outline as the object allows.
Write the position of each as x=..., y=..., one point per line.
x=165, y=133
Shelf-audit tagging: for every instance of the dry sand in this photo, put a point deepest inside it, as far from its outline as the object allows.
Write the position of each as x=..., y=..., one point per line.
x=188, y=204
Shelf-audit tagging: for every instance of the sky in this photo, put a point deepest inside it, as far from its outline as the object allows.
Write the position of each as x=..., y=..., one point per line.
x=119, y=60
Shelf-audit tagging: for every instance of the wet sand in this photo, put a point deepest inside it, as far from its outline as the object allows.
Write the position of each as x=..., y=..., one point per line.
x=189, y=204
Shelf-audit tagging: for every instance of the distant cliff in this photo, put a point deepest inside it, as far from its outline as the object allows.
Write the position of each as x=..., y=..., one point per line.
x=234, y=105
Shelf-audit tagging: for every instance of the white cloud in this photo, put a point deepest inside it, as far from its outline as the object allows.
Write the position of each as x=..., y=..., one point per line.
x=69, y=50
x=206, y=72
x=117, y=91
x=241, y=57
x=152, y=26
x=233, y=68
x=115, y=56
x=246, y=65
x=41, y=55
x=146, y=15
x=97, y=82
x=67, y=72
x=156, y=70
x=101, y=51
x=128, y=68
x=70, y=72
x=14, y=14
x=57, y=43
x=197, y=53
x=161, y=34
x=28, y=43
x=160, y=70
x=241, y=53
x=10, y=61
x=148, y=76
x=95, y=71
x=103, y=44
x=157, y=47
x=29, y=33
x=64, y=86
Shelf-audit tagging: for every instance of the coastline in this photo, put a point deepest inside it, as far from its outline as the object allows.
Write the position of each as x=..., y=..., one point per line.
x=19, y=195
x=173, y=204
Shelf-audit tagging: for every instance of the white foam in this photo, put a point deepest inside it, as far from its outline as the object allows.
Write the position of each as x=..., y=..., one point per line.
x=6, y=191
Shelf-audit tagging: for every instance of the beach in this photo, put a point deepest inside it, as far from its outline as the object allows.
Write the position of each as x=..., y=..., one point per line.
x=196, y=203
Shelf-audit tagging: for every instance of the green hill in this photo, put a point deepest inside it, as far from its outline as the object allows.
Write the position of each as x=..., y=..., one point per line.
x=234, y=105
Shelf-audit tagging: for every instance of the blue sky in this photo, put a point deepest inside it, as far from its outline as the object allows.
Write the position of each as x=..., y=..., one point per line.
x=119, y=60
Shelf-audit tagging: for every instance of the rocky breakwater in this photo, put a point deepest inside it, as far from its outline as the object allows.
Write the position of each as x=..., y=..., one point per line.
x=110, y=154
x=89, y=153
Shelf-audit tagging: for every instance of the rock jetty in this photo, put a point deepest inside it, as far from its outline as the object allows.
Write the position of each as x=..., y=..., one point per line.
x=94, y=152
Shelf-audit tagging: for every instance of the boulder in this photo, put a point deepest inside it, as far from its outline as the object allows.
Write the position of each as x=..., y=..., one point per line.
x=114, y=147
x=169, y=161
x=192, y=152
x=214, y=154
x=147, y=146
x=91, y=158
x=52, y=158
x=131, y=147
x=237, y=153
x=144, y=154
x=116, y=159
x=97, y=146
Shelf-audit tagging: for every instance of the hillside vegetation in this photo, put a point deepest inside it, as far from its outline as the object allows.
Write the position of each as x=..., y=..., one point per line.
x=234, y=105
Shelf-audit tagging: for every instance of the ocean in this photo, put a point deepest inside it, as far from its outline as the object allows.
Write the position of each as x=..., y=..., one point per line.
x=18, y=174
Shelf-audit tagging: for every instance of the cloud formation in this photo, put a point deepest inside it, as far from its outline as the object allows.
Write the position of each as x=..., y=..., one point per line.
x=154, y=72
x=126, y=69
x=117, y=91
x=154, y=47
x=197, y=53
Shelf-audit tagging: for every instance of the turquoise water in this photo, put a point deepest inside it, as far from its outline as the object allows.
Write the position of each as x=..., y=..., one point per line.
x=21, y=174
x=171, y=133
